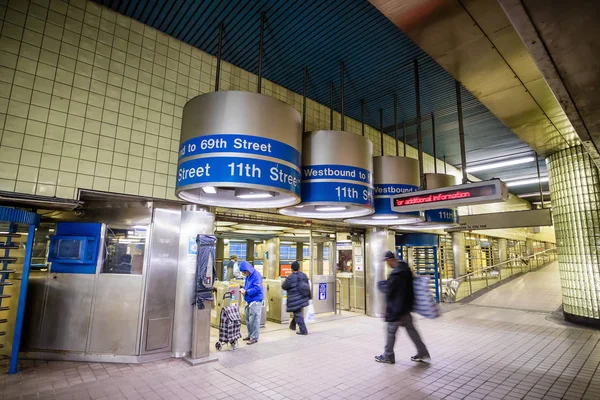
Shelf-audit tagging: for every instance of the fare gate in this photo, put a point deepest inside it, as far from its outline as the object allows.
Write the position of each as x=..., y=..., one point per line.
x=420, y=251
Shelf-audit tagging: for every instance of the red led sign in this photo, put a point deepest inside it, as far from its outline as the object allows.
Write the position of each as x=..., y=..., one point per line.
x=452, y=196
x=432, y=198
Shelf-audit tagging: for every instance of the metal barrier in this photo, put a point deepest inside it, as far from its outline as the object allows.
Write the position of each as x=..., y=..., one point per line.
x=338, y=296
x=455, y=289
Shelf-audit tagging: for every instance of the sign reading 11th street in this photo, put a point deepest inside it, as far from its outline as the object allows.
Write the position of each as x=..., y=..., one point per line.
x=236, y=158
x=337, y=183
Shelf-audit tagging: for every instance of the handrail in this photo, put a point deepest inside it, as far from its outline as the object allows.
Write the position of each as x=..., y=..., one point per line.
x=452, y=285
x=504, y=262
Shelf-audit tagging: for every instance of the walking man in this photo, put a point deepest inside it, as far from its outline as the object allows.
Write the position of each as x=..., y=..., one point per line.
x=399, y=296
x=253, y=294
x=298, y=295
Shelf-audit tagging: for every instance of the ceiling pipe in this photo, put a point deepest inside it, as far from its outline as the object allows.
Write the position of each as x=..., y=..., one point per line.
x=304, y=90
x=342, y=94
x=219, y=56
x=461, y=134
x=396, y=124
x=433, y=139
x=381, y=130
x=419, y=132
x=404, y=137
x=537, y=165
x=331, y=106
x=261, y=50
x=362, y=116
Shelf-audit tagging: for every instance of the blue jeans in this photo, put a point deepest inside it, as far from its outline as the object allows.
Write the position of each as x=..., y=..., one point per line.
x=253, y=313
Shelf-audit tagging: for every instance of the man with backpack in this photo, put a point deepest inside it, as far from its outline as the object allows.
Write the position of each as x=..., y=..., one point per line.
x=400, y=298
x=298, y=296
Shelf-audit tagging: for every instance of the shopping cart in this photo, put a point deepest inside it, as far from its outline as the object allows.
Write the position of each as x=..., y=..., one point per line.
x=229, y=324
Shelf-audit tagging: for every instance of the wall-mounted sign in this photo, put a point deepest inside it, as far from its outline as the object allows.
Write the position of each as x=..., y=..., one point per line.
x=454, y=196
x=285, y=269
x=322, y=291
x=239, y=149
x=358, y=263
x=337, y=177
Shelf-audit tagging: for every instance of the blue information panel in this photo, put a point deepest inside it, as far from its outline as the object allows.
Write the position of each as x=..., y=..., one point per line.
x=248, y=160
x=441, y=215
x=322, y=291
x=337, y=183
x=384, y=193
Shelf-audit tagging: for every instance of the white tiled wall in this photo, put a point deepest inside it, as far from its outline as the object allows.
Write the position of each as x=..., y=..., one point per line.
x=91, y=99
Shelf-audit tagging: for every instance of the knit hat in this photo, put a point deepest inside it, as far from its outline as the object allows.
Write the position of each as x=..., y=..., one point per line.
x=295, y=266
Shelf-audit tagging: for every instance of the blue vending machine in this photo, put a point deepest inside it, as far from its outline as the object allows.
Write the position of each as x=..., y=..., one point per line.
x=75, y=247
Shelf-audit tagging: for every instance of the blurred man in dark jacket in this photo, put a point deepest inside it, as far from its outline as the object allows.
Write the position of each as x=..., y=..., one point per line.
x=399, y=296
x=298, y=295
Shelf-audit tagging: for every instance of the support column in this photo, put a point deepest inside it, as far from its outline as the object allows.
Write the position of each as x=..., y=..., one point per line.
x=460, y=257
x=250, y=251
x=195, y=220
x=529, y=247
x=271, y=270
x=378, y=241
x=502, y=250
x=575, y=196
x=299, y=252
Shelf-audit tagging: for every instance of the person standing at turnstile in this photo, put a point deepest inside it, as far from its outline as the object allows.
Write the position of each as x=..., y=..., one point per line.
x=298, y=296
x=253, y=294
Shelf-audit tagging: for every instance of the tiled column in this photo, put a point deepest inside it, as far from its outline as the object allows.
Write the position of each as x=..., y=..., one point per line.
x=575, y=195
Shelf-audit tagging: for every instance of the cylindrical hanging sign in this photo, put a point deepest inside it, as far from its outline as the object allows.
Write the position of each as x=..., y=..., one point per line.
x=441, y=216
x=239, y=149
x=392, y=176
x=337, y=178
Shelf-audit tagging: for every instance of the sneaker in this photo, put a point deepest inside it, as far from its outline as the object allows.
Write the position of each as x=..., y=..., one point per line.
x=302, y=333
x=419, y=358
x=246, y=339
x=385, y=360
x=252, y=341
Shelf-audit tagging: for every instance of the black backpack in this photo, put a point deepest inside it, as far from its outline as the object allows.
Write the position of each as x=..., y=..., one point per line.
x=304, y=287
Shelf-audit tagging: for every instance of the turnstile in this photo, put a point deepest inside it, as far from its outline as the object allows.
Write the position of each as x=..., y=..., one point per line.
x=323, y=293
x=276, y=301
x=220, y=289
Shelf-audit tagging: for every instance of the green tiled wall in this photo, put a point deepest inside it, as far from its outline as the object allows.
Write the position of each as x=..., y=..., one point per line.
x=90, y=99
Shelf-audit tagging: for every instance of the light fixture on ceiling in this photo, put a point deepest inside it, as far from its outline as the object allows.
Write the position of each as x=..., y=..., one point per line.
x=330, y=208
x=261, y=227
x=500, y=164
x=525, y=182
x=385, y=217
x=209, y=189
x=252, y=194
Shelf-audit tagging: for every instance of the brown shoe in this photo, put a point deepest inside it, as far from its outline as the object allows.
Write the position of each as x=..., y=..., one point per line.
x=251, y=341
x=246, y=339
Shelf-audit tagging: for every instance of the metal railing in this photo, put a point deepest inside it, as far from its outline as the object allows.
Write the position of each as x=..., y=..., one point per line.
x=338, y=296
x=458, y=288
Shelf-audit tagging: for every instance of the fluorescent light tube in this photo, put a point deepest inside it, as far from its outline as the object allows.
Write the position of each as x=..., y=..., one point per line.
x=500, y=164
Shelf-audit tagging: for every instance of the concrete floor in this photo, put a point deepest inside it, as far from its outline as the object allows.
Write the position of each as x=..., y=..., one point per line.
x=478, y=352
x=539, y=290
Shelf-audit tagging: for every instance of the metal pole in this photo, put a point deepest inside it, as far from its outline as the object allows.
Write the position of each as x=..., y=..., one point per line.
x=396, y=125
x=342, y=94
x=445, y=166
x=304, y=89
x=16, y=345
x=537, y=164
x=433, y=139
x=331, y=106
x=219, y=55
x=261, y=50
x=404, y=137
x=362, y=116
x=381, y=129
x=419, y=133
x=461, y=132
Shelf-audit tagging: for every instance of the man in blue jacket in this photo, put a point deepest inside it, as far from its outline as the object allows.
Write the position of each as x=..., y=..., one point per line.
x=253, y=294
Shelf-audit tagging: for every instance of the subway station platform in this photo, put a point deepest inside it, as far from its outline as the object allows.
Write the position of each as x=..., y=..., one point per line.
x=478, y=352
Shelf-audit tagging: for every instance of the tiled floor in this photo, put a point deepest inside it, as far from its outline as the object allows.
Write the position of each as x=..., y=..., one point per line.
x=538, y=290
x=478, y=353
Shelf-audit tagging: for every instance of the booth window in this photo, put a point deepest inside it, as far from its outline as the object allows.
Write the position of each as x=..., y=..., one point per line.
x=124, y=251
x=237, y=249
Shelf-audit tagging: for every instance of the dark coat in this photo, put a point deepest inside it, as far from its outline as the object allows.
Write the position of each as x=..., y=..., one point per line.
x=399, y=292
x=295, y=300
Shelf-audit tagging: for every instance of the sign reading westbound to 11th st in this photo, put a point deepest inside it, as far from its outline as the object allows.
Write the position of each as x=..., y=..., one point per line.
x=237, y=158
x=453, y=196
x=337, y=183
